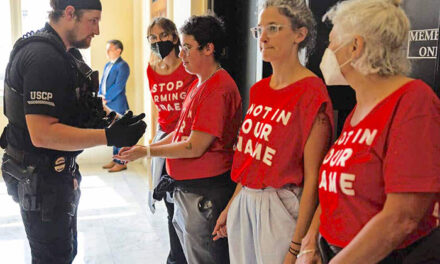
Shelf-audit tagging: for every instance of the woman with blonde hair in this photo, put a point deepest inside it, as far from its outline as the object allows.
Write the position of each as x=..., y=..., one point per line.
x=379, y=181
x=283, y=139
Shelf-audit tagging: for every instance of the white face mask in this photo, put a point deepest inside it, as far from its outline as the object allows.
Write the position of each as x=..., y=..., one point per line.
x=330, y=68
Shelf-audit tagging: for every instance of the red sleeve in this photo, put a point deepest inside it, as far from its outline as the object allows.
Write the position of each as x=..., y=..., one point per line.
x=412, y=162
x=212, y=112
x=314, y=97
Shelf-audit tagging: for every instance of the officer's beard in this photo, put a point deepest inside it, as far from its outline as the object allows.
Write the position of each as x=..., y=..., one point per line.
x=79, y=44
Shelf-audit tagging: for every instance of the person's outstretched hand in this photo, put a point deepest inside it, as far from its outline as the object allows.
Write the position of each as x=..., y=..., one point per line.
x=126, y=131
x=131, y=153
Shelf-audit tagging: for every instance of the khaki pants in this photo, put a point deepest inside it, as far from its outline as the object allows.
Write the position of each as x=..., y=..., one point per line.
x=261, y=223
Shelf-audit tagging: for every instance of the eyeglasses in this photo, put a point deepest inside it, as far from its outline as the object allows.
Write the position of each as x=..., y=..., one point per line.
x=271, y=30
x=186, y=48
x=153, y=38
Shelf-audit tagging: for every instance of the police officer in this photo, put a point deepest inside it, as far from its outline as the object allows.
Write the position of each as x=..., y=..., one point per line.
x=51, y=103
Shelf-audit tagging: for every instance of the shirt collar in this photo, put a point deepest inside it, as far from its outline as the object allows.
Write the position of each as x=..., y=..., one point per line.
x=49, y=28
x=113, y=61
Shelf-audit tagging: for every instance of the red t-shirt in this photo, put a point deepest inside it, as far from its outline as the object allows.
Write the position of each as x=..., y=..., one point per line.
x=270, y=146
x=168, y=93
x=214, y=108
x=394, y=149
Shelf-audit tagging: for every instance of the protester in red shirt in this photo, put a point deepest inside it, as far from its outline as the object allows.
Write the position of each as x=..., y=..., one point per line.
x=169, y=84
x=282, y=141
x=199, y=151
x=379, y=181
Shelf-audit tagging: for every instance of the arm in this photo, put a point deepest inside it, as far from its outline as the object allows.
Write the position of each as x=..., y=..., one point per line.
x=194, y=147
x=119, y=86
x=220, y=226
x=388, y=229
x=310, y=242
x=101, y=81
x=314, y=151
x=46, y=132
x=164, y=141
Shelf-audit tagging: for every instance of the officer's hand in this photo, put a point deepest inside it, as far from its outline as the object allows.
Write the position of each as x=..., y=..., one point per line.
x=126, y=131
x=110, y=118
x=128, y=118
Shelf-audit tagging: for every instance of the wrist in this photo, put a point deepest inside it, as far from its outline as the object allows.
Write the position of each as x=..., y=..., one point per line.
x=147, y=151
x=294, y=252
x=310, y=240
x=295, y=245
x=306, y=251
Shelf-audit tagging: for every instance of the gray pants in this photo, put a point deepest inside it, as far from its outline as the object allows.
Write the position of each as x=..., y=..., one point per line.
x=261, y=223
x=195, y=215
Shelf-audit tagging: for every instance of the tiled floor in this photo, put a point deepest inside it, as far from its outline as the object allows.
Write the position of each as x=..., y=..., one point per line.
x=114, y=224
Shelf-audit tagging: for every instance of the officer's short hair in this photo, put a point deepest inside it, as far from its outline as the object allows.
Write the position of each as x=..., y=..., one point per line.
x=207, y=29
x=56, y=13
x=117, y=43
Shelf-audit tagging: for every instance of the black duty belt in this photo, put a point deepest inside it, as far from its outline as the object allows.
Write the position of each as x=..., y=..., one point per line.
x=58, y=163
x=205, y=183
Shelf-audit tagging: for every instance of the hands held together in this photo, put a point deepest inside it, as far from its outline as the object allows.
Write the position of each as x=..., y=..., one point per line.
x=131, y=153
x=220, y=230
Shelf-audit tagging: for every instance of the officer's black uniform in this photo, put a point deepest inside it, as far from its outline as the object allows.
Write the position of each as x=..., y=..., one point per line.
x=45, y=79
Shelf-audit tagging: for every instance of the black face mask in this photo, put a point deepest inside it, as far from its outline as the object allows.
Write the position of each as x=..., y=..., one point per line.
x=162, y=48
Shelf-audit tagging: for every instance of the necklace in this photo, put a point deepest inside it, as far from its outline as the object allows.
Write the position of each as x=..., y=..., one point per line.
x=196, y=90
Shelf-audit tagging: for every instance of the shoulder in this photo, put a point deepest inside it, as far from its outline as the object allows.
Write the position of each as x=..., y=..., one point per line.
x=419, y=90
x=151, y=69
x=122, y=63
x=41, y=50
x=261, y=83
x=312, y=89
x=221, y=82
x=313, y=84
x=41, y=56
x=414, y=104
x=418, y=99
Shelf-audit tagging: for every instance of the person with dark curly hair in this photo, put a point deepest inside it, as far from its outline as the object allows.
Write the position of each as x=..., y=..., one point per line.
x=199, y=151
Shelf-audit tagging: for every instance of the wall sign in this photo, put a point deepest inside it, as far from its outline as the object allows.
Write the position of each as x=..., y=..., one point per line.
x=422, y=44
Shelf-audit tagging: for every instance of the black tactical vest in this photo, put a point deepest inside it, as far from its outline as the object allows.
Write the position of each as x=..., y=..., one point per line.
x=87, y=111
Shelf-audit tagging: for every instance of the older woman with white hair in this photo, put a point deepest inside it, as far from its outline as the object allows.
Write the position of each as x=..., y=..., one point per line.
x=379, y=181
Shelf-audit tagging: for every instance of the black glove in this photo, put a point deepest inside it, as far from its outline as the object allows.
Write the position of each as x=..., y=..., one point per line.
x=110, y=118
x=126, y=131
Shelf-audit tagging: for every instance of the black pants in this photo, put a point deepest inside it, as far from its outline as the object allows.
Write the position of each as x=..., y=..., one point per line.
x=54, y=240
x=51, y=242
x=176, y=255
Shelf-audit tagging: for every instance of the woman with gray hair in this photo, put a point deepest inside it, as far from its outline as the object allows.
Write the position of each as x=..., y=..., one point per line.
x=379, y=181
x=283, y=139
